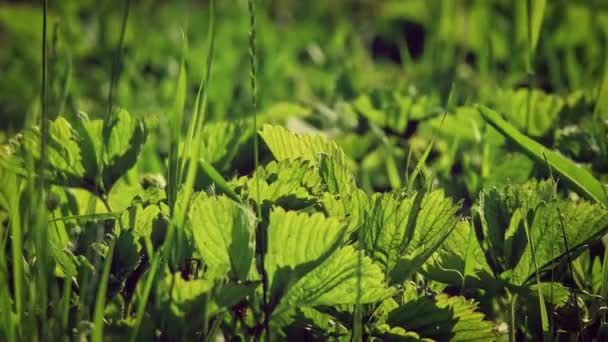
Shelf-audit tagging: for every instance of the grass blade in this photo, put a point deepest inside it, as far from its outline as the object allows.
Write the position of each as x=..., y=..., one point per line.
x=173, y=172
x=580, y=179
x=141, y=304
x=428, y=149
x=604, y=287
x=100, y=302
x=536, y=12
x=541, y=300
x=601, y=101
x=115, y=72
x=17, y=251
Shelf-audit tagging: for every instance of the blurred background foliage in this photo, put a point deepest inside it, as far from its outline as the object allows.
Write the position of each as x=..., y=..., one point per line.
x=373, y=74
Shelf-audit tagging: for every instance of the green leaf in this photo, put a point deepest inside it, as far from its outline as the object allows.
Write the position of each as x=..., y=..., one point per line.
x=350, y=207
x=553, y=293
x=335, y=282
x=290, y=170
x=388, y=333
x=544, y=110
x=500, y=213
x=308, y=322
x=221, y=140
x=401, y=233
x=443, y=318
x=583, y=222
x=334, y=167
x=297, y=243
x=285, y=193
x=286, y=145
x=336, y=175
x=580, y=179
x=66, y=163
x=185, y=300
x=393, y=109
x=123, y=145
x=140, y=219
x=224, y=233
x=460, y=252
x=79, y=156
x=290, y=183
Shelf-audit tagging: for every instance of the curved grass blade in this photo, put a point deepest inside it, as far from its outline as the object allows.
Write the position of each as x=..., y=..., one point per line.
x=217, y=178
x=580, y=179
x=428, y=149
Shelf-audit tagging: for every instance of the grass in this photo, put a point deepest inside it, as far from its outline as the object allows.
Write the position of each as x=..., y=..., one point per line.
x=356, y=241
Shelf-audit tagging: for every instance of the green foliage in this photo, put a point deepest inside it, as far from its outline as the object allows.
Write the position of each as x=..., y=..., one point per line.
x=223, y=232
x=579, y=178
x=337, y=182
x=443, y=318
x=92, y=154
x=401, y=233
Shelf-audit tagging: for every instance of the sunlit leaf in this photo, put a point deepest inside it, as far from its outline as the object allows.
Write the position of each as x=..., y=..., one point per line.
x=223, y=233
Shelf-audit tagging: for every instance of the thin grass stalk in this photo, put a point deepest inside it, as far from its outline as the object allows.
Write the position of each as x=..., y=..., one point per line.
x=541, y=300
x=256, y=159
x=569, y=256
x=604, y=286
x=35, y=191
x=16, y=252
x=43, y=100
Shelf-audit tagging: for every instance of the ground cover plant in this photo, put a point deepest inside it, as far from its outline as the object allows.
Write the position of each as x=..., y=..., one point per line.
x=285, y=170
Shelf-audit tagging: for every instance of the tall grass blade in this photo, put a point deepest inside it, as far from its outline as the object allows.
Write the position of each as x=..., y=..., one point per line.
x=200, y=102
x=569, y=256
x=536, y=12
x=581, y=180
x=16, y=250
x=173, y=173
x=601, y=101
x=195, y=130
x=115, y=72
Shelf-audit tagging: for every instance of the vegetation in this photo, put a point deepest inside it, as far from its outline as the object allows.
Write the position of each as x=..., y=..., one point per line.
x=304, y=170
